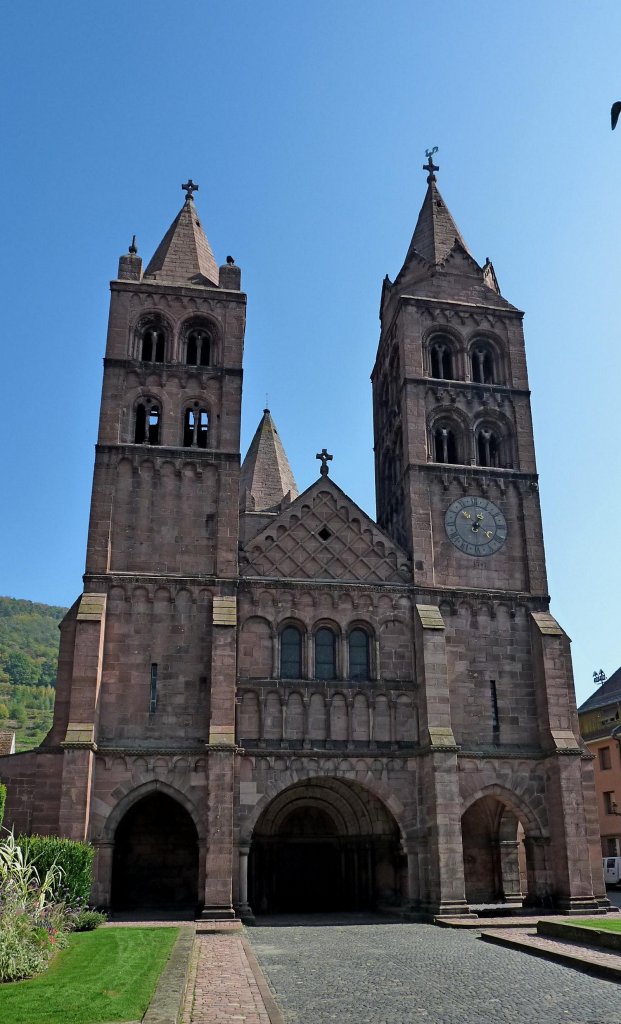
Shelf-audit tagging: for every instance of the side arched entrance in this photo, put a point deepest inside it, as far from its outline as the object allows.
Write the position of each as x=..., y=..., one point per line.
x=325, y=845
x=502, y=853
x=155, y=860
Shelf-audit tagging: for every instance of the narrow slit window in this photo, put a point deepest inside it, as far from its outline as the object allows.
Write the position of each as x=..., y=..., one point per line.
x=494, y=703
x=153, y=689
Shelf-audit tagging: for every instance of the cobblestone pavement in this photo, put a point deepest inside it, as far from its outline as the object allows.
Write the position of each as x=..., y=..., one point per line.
x=402, y=973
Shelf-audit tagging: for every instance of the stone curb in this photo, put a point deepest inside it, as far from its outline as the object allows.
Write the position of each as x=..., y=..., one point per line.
x=167, y=1003
x=576, y=960
x=271, y=1006
x=580, y=935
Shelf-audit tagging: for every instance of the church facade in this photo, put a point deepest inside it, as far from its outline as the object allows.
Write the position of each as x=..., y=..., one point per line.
x=266, y=700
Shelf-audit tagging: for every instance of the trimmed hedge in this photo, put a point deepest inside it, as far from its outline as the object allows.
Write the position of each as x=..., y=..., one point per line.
x=2, y=801
x=75, y=859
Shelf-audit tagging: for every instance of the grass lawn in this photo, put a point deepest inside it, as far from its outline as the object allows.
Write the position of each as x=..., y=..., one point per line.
x=598, y=922
x=106, y=975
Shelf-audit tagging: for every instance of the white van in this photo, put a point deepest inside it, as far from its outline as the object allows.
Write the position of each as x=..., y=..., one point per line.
x=612, y=870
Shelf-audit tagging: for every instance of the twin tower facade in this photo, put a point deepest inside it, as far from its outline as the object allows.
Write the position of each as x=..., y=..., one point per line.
x=268, y=701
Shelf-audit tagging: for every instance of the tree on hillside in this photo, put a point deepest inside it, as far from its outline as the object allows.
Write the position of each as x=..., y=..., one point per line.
x=21, y=670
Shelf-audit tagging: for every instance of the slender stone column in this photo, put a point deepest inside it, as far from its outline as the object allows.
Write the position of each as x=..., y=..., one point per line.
x=220, y=761
x=413, y=877
x=244, y=909
x=510, y=870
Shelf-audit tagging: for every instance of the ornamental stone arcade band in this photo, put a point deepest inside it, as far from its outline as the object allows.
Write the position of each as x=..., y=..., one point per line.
x=267, y=701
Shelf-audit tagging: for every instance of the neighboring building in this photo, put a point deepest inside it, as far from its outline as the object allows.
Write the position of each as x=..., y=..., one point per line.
x=600, y=725
x=7, y=742
x=267, y=699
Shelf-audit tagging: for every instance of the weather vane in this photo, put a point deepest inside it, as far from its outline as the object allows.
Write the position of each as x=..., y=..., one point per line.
x=430, y=166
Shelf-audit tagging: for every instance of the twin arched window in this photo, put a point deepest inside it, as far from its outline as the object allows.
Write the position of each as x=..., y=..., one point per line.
x=198, y=347
x=484, y=362
x=492, y=448
x=153, y=344
x=195, y=427
x=147, y=425
x=445, y=445
x=441, y=359
x=325, y=649
x=482, y=369
x=488, y=447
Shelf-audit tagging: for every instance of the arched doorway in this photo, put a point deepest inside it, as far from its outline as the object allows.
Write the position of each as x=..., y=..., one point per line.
x=325, y=845
x=495, y=854
x=155, y=862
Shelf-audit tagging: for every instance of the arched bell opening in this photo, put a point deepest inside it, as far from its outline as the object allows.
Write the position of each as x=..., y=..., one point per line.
x=155, y=860
x=322, y=846
x=498, y=857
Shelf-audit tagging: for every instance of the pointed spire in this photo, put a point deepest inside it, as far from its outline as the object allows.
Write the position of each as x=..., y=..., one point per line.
x=266, y=476
x=436, y=232
x=184, y=255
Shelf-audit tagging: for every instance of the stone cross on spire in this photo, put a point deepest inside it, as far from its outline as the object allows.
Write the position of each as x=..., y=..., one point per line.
x=189, y=188
x=325, y=459
x=430, y=166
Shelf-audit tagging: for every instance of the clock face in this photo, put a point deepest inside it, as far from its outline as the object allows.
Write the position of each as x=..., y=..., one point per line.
x=475, y=525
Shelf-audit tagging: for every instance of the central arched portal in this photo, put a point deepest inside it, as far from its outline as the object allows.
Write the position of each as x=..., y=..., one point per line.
x=325, y=845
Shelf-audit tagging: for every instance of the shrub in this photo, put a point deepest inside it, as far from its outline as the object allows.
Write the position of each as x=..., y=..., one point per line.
x=75, y=860
x=21, y=953
x=32, y=922
x=88, y=920
x=2, y=801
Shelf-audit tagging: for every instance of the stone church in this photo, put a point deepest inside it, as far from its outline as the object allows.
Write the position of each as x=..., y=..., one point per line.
x=266, y=700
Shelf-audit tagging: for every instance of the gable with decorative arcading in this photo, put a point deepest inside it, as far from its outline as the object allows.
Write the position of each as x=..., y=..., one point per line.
x=324, y=535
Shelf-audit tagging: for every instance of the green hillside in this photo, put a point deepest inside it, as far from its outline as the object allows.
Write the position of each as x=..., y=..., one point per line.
x=29, y=638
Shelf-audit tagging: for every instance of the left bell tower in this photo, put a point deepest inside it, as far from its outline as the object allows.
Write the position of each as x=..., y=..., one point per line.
x=145, y=705
x=165, y=483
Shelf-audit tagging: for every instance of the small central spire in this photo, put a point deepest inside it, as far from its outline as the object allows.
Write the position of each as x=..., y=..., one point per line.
x=430, y=166
x=189, y=188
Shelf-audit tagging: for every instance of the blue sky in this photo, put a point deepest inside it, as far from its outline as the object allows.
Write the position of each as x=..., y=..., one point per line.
x=305, y=124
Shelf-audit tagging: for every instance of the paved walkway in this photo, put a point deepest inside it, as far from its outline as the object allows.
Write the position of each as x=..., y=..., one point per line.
x=404, y=973
x=222, y=987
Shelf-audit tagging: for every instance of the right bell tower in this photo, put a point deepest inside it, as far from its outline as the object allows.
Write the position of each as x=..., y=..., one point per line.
x=457, y=487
